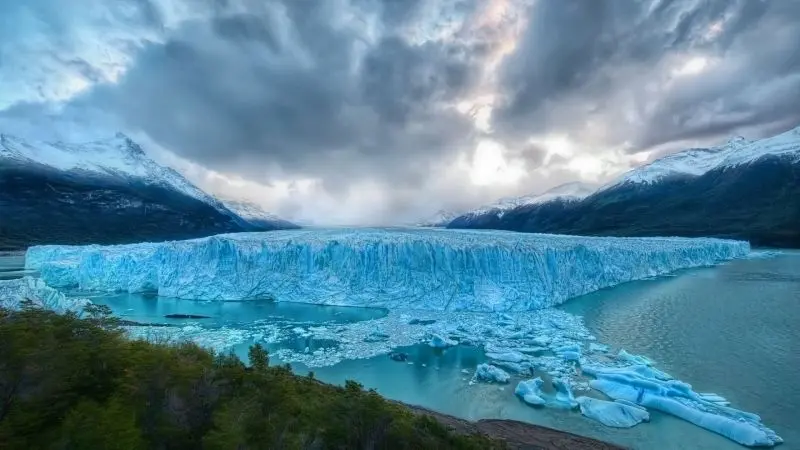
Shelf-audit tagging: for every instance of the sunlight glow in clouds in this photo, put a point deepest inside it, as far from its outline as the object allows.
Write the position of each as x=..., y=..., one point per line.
x=490, y=166
x=375, y=111
x=693, y=66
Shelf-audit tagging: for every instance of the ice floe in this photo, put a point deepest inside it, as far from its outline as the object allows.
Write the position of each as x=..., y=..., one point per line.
x=530, y=391
x=491, y=374
x=619, y=414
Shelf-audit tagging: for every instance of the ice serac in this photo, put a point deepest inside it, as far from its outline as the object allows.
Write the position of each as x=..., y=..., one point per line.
x=14, y=292
x=410, y=268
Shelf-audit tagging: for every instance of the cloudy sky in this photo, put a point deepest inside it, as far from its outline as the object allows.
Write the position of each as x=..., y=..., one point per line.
x=384, y=111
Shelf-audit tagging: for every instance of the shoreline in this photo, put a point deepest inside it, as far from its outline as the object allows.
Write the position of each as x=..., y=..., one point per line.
x=516, y=435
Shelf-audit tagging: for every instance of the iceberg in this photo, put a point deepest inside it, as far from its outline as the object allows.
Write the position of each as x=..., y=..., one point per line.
x=14, y=292
x=619, y=414
x=491, y=374
x=439, y=341
x=425, y=269
x=650, y=388
x=530, y=391
x=564, y=393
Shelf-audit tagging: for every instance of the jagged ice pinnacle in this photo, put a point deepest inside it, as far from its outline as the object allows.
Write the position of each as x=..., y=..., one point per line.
x=409, y=268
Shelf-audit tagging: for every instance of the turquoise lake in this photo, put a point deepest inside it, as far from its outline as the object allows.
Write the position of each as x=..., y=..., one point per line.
x=730, y=329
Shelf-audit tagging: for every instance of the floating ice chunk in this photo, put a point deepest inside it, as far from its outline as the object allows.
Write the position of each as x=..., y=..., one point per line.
x=595, y=347
x=714, y=398
x=438, y=341
x=531, y=349
x=530, y=391
x=416, y=269
x=678, y=398
x=564, y=393
x=491, y=374
x=14, y=292
x=575, y=348
x=569, y=352
x=508, y=356
x=541, y=341
x=635, y=359
x=612, y=414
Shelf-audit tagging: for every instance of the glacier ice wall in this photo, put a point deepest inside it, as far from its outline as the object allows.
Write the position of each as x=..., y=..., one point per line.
x=409, y=268
x=14, y=292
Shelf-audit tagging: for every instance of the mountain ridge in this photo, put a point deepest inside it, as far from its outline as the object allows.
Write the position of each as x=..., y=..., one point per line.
x=742, y=190
x=56, y=192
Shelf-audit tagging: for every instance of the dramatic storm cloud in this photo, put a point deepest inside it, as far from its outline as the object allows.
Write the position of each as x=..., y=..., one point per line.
x=382, y=111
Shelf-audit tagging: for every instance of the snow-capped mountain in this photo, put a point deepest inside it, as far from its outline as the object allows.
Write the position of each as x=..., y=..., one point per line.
x=104, y=191
x=118, y=157
x=698, y=161
x=486, y=216
x=742, y=189
x=255, y=215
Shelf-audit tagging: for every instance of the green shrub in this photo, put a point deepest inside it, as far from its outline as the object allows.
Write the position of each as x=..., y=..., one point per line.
x=75, y=382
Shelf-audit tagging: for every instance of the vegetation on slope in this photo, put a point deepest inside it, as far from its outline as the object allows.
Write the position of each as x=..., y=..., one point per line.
x=70, y=382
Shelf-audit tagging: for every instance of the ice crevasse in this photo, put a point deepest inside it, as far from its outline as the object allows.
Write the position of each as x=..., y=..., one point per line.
x=409, y=268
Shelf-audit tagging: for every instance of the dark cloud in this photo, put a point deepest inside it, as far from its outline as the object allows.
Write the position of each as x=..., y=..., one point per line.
x=354, y=91
x=235, y=93
x=613, y=69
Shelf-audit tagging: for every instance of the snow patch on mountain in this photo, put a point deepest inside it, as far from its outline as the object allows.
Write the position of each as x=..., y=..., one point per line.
x=118, y=157
x=255, y=215
x=695, y=162
x=574, y=191
x=440, y=219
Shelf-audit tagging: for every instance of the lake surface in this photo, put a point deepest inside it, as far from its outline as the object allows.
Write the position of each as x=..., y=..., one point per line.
x=733, y=329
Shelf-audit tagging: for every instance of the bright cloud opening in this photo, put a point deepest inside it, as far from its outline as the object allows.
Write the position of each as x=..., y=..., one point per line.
x=490, y=166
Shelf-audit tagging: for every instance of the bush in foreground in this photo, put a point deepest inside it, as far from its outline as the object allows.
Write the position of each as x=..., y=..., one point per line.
x=70, y=382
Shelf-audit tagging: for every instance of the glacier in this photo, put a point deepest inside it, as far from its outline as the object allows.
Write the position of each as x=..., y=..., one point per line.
x=14, y=292
x=426, y=269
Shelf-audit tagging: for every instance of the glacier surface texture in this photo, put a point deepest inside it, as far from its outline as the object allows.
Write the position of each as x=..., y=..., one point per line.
x=409, y=268
x=14, y=292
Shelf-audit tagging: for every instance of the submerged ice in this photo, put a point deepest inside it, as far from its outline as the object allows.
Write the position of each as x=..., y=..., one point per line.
x=394, y=268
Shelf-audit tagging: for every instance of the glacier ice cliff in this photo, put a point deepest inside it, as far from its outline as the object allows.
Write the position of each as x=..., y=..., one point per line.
x=14, y=292
x=409, y=268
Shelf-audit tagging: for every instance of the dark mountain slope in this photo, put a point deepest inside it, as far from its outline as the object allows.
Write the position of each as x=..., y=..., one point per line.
x=40, y=205
x=759, y=202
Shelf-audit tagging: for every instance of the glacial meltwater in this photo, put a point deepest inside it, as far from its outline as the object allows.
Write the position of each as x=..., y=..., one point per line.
x=731, y=329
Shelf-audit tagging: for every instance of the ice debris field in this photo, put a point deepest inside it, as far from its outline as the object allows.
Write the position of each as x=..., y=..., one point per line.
x=441, y=288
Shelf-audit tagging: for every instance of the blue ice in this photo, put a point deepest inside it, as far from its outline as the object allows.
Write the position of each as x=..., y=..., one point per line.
x=491, y=374
x=410, y=268
x=530, y=391
x=14, y=292
x=617, y=414
x=653, y=389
